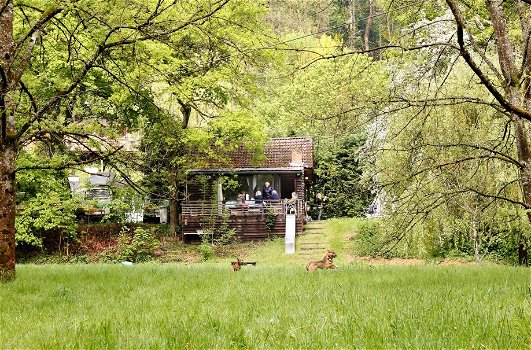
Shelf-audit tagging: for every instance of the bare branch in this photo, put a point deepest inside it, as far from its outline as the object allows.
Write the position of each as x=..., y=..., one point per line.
x=380, y=48
x=498, y=154
x=193, y=19
x=30, y=96
x=78, y=139
x=460, y=21
x=498, y=197
x=126, y=177
x=46, y=17
x=68, y=165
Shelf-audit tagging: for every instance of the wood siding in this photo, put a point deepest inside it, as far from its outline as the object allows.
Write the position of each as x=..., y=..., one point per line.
x=249, y=223
x=248, y=227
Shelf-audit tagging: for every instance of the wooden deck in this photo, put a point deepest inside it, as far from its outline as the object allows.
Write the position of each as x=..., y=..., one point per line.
x=248, y=220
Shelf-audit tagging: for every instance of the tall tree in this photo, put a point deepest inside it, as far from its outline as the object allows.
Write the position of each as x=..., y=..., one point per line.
x=8, y=145
x=353, y=25
x=433, y=37
x=501, y=64
x=203, y=74
x=51, y=54
x=369, y=24
x=510, y=85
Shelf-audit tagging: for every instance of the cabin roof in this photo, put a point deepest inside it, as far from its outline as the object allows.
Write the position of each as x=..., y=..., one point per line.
x=289, y=152
x=282, y=154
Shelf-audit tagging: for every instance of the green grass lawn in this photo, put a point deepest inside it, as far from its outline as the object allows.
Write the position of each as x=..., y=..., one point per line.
x=266, y=306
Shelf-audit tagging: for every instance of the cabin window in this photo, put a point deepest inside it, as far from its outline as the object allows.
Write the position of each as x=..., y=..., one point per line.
x=248, y=184
x=227, y=187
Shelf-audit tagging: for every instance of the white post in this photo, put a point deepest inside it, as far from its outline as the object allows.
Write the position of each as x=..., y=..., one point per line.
x=220, y=198
x=290, y=234
x=163, y=215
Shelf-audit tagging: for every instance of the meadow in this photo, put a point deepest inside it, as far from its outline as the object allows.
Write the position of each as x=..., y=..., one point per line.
x=268, y=306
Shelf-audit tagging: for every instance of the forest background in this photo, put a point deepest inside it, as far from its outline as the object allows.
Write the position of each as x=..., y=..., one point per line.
x=422, y=106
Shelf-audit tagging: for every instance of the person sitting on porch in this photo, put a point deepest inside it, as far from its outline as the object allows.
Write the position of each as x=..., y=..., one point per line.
x=258, y=198
x=267, y=191
x=240, y=201
x=292, y=203
x=274, y=195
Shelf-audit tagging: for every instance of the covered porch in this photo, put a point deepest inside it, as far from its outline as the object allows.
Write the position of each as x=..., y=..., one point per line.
x=226, y=198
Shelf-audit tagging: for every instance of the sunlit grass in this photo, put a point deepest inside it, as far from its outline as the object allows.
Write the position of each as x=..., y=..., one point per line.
x=265, y=306
x=335, y=234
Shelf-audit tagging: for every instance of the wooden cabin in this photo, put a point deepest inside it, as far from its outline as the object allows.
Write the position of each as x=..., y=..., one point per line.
x=222, y=199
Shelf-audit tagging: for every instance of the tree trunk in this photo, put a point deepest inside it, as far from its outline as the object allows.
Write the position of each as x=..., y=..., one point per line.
x=174, y=206
x=7, y=212
x=173, y=216
x=524, y=156
x=475, y=237
x=186, y=110
x=369, y=24
x=511, y=85
x=352, y=28
x=8, y=147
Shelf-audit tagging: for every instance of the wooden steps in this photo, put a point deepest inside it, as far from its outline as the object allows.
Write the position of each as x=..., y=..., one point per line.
x=312, y=241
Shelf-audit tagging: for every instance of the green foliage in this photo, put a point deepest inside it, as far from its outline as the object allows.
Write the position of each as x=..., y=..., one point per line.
x=46, y=211
x=201, y=82
x=323, y=99
x=312, y=16
x=170, y=150
x=271, y=220
x=163, y=230
x=444, y=177
x=98, y=68
x=339, y=178
x=368, y=238
x=340, y=23
x=237, y=129
x=206, y=249
x=137, y=248
x=124, y=200
x=216, y=233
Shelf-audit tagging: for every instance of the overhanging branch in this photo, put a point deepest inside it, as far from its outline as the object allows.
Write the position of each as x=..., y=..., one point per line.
x=30, y=96
x=460, y=21
x=106, y=45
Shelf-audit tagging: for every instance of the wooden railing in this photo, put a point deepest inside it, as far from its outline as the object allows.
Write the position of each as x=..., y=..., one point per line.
x=200, y=208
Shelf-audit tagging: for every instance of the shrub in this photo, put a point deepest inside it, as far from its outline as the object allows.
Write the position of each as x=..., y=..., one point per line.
x=368, y=239
x=138, y=248
x=271, y=220
x=45, y=210
x=206, y=250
